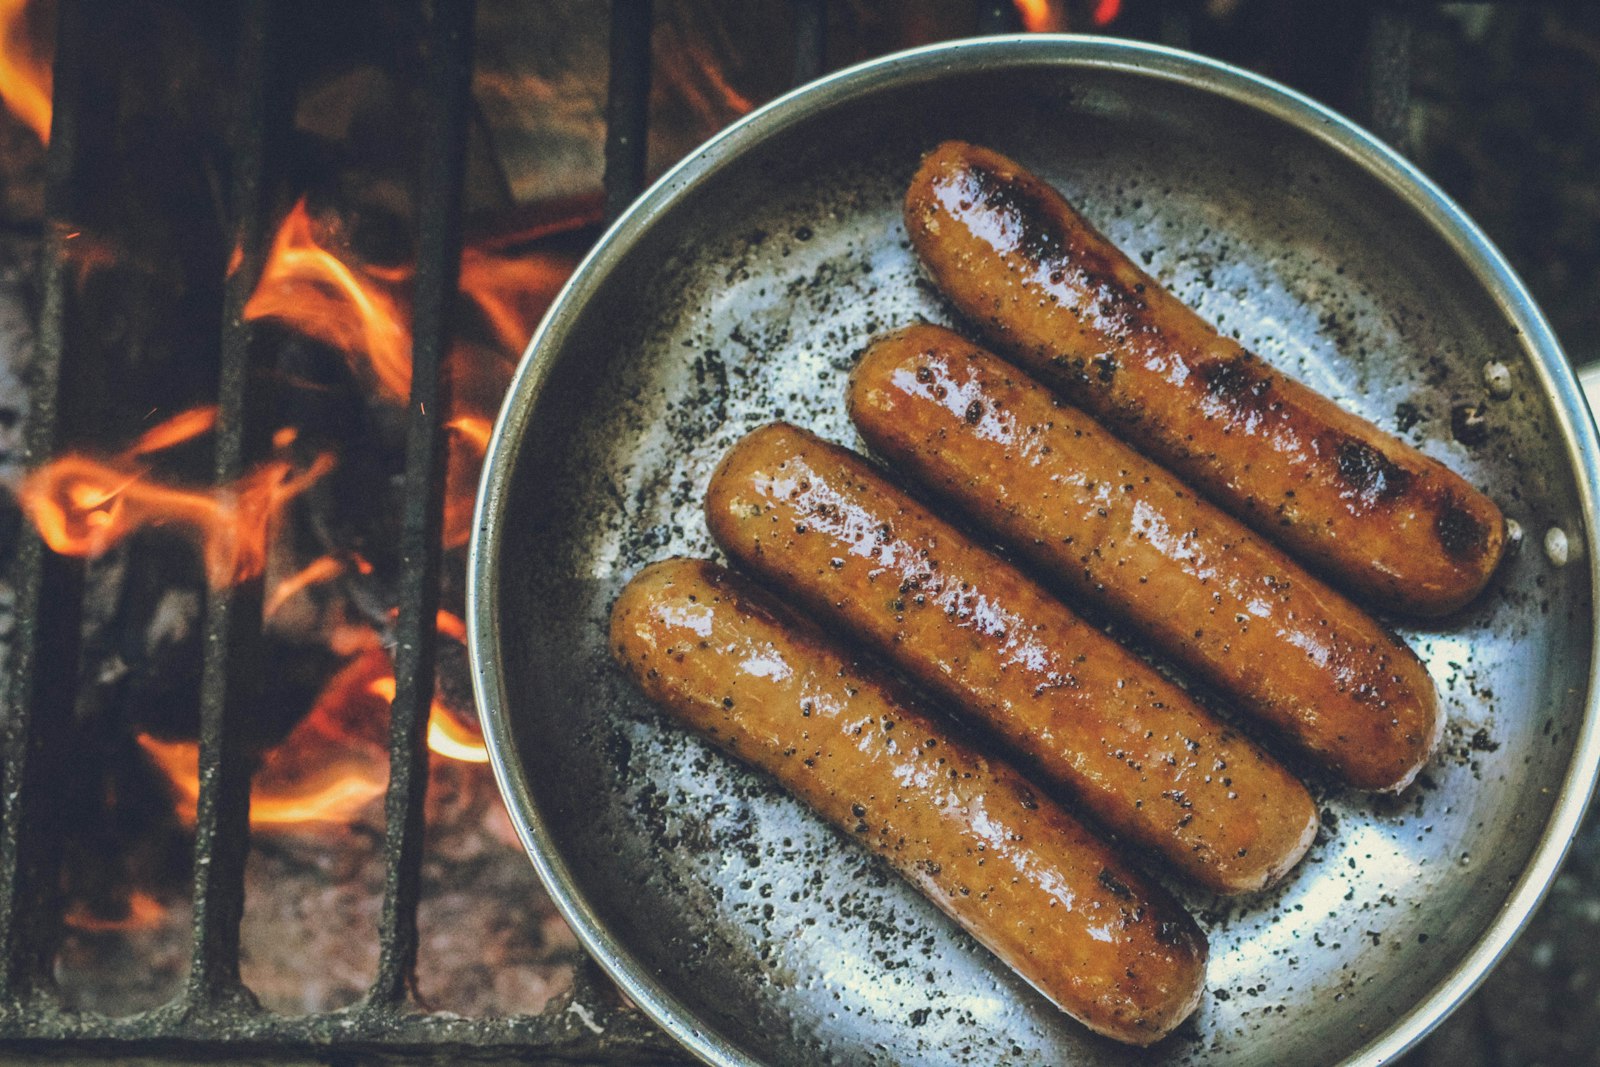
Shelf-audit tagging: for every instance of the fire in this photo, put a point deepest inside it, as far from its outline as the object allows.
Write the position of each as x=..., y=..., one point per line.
x=329, y=768
x=1050, y=16
x=182, y=427
x=308, y=288
x=449, y=738
x=447, y=735
x=25, y=68
x=321, y=569
x=451, y=626
x=1040, y=16
x=356, y=309
x=692, y=71
x=83, y=506
x=337, y=796
x=335, y=762
x=469, y=440
x=512, y=292
x=1106, y=12
x=145, y=912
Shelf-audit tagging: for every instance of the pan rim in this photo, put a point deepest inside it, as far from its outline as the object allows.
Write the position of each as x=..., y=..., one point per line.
x=1574, y=423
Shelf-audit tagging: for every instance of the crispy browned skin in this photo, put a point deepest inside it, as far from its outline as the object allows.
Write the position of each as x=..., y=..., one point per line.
x=1131, y=746
x=1023, y=877
x=1053, y=294
x=1118, y=529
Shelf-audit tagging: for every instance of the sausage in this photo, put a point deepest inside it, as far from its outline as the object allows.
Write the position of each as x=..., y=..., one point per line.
x=1048, y=291
x=1022, y=876
x=1116, y=529
x=1131, y=747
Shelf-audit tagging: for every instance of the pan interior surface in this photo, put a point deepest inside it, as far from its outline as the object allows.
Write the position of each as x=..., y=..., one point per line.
x=754, y=930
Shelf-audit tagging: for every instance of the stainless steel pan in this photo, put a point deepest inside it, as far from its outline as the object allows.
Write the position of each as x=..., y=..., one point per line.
x=739, y=288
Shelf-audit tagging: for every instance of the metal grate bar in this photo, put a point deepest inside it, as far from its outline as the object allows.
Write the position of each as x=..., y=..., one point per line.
x=340, y=1037
x=232, y=631
x=38, y=689
x=810, y=39
x=446, y=117
x=627, y=103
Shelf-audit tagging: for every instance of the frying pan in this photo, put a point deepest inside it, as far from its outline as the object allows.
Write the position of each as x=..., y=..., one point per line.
x=738, y=290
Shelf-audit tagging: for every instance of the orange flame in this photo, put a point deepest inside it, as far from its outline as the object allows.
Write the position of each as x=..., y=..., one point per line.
x=447, y=735
x=329, y=768
x=321, y=569
x=512, y=292
x=145, y=912
x=463, y=461
x=308, y=288
x=474, y=429
x=1106, y=12
x=334, y=763
x=1041, y=16
x=185, y=426
x=334, y=797
x=25, y=69
x=451, y=626
x=83, y=506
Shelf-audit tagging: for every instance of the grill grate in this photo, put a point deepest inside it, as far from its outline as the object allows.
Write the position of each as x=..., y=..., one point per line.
x=216, y=1016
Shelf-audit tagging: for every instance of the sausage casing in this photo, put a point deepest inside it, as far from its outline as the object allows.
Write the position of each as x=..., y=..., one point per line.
x=1021, y=875
x=1130, y=745
x=1118, y=529
x=1052, y=293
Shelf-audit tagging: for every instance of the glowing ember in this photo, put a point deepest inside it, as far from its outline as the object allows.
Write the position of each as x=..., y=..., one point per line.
x=25, y=74
x=451, y=626
x=144, y=913
x=83, y=506
x=1106, y=12
x=308, y=288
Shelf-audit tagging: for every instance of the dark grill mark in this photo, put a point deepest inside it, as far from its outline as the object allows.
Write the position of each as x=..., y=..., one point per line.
x=1460, y=532
x=1115, y=884
x=1237, y=383
x=1369, y=473
x=1024, y=211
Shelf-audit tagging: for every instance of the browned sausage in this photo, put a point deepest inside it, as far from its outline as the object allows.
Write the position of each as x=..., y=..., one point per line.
x=1117, y=529
x=1131, y=746
x=1023, y=877
x=1053, y=294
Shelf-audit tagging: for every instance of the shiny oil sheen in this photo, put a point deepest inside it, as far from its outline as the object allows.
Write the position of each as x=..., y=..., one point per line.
x=1128, y=746
x=1116, y=530
x=1083, y=317
x=1005, y=862
x=739, y=290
